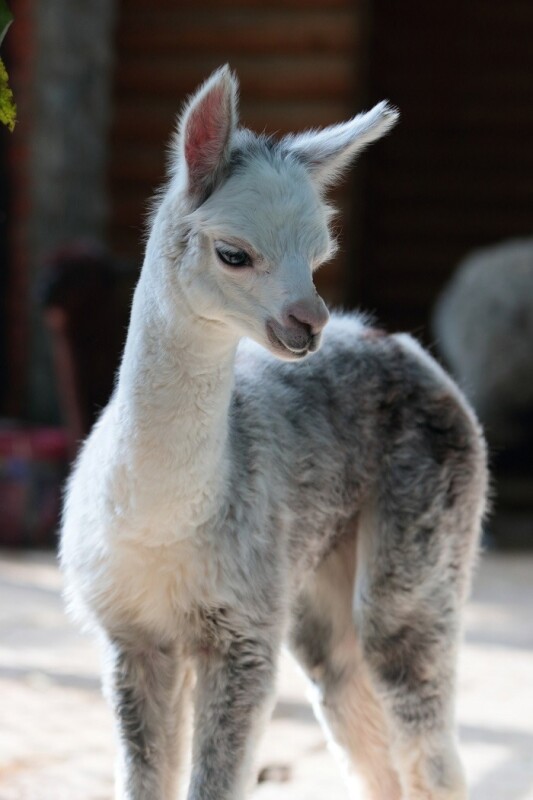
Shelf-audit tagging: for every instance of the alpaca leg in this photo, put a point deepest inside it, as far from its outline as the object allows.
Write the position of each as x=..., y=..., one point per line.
x=352, y=713
x=179, y=735
x=148, y=693
x=411, y=658
x=408, y=604
x=234, y=697
x=323, y=640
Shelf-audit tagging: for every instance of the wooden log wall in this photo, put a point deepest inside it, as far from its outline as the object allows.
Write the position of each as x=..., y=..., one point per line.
x=296, y=60
x=457, y=173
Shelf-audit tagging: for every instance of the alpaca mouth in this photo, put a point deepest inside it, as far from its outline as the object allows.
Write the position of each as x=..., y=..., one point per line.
x=296, y=351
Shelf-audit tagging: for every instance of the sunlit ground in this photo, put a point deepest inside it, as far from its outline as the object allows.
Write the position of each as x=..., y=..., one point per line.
x=55, y=730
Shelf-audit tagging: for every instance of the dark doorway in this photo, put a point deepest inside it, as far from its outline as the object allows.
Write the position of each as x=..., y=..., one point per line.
x=458, y=171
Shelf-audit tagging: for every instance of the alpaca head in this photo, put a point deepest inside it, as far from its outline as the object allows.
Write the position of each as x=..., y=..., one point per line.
x=256, y=223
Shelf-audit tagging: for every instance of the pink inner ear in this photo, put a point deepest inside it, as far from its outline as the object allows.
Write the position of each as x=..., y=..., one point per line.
x=206, y=135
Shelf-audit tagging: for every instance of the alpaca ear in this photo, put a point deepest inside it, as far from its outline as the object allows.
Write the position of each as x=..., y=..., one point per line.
x=327, y=152
x=202, y=143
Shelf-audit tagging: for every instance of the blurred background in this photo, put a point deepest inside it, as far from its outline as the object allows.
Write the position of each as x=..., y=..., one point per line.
x=435, y=220
x=98, y=86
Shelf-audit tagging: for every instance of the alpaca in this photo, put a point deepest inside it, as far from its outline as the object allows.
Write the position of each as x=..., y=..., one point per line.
x=241, y=490
x=482, y=324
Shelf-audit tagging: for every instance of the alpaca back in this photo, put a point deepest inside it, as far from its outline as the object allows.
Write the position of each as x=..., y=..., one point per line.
x=310, y=439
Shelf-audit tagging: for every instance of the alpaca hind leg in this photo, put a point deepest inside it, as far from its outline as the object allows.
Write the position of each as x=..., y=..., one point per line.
x=410, y=590
x=352, y=712
x=324, y=642
x=148, y=690
x=415, y=679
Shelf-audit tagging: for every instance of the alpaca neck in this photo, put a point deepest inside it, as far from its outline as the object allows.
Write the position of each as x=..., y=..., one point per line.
x=172, y=403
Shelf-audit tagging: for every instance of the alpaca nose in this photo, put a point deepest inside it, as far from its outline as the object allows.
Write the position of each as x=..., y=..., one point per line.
x=304, y=315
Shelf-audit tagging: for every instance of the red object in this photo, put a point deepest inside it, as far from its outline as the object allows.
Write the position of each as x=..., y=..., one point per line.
x=33, y=466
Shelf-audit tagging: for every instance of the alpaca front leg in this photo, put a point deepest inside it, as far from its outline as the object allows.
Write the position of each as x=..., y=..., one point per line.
x=234, y=698
x=149, y=691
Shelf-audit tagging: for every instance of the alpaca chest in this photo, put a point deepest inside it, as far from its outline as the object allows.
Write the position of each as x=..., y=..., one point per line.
x=156, y=587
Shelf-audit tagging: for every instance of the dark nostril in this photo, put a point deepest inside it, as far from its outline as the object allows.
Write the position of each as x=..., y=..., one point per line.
x=308, y=316
x=301, y=324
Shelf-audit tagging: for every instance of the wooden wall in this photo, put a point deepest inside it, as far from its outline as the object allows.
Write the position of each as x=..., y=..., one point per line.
x=296, y=60
x=457, y=173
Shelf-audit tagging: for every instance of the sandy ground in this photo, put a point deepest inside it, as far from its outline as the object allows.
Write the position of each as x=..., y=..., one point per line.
x=55, y=730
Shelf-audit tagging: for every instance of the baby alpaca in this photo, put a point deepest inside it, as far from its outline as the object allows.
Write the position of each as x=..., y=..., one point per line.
x=238, y=492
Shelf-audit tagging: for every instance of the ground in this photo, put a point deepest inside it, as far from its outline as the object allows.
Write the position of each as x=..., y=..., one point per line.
x=55, y=736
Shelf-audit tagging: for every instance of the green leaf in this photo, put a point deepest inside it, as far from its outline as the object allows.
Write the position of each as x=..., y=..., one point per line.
x=8, y=109
x=6, y=18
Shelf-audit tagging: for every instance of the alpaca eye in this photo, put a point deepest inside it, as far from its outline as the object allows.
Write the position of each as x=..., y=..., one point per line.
x=233, y=256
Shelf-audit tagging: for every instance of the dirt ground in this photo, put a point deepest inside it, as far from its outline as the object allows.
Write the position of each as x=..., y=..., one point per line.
x=55, y=730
